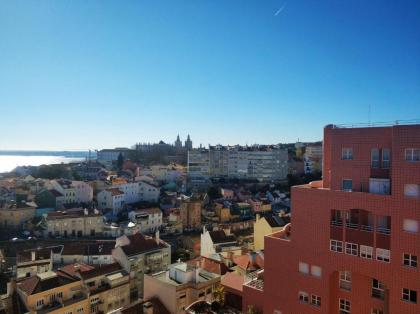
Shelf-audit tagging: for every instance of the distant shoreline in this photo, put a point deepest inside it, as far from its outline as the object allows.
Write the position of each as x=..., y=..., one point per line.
x=62, y=153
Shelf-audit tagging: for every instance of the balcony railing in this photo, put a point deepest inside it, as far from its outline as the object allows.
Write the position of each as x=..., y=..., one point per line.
x=383, y=230
x=338, y=223
x=378, y=294
x=345, y=285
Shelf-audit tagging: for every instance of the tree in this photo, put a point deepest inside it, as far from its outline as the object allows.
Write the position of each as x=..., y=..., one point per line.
x=120, y=161
x=219, y=294
x=214, y=193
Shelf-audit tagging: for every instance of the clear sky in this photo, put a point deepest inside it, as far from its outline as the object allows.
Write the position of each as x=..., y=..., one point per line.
x=100, y=74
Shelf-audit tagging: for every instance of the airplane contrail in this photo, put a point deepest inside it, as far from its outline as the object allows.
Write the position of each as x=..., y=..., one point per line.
x=280, y=10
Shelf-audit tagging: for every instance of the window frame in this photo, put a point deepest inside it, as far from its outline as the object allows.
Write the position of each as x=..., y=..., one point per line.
x=346, y=280
x=411, y=259
x=386, y=163
x=364, y=251
x=315, y=300
x=303, y=297
x=386, y=258
x=375, y=163
x=408, y=292
x=336, y=246
x=344, y=306
x=342, y=185
x=354, y=248
x=412, y=156
x=347, y=153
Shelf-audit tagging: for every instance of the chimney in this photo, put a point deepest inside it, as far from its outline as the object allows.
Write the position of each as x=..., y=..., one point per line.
x=33, y=255
x=148, y=307
x=157, y=236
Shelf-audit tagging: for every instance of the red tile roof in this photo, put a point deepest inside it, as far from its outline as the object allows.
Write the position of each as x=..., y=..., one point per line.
x=140, y=244
x=233, y=281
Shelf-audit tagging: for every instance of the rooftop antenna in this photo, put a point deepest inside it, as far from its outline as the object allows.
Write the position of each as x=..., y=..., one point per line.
x=369, y=115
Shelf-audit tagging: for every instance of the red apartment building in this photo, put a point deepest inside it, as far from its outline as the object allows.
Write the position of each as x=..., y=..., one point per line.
x=354, y=241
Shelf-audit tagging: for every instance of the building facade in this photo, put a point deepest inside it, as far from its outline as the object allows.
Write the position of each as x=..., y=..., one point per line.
x=76, y=222
x=140, y=255
x=259, y=162
x=180, y=286
x=354, y=242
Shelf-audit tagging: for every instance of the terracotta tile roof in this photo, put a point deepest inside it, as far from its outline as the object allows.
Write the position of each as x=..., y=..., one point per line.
x=149, y=211
x=233, y=281
x=100, y=248
x=140, y=244
x=115, y=191
x=101, y=270
x=34, y=284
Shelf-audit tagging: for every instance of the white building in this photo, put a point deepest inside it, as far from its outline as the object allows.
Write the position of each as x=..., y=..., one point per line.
x=258, y=162
x=74, y=192
x=218, y=242
x=149, y=192
x=111, y=199
x=149, y=219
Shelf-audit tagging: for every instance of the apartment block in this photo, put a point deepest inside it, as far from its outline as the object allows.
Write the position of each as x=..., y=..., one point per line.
x=75, y=222
x=180, y=286
x=140, y=255
x=353, y=243
x=259, y=162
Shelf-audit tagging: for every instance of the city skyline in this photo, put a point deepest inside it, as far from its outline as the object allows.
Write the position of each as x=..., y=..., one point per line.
x=100, y=75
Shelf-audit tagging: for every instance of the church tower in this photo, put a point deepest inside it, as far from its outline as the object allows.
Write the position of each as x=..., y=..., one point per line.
x=188, y=143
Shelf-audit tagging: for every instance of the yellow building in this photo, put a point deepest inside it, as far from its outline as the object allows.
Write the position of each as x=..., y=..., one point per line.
x=15, y=215
x=75, y=288
x=223, y=213
x=54, y=293
x=265, y=225
x=181, y=285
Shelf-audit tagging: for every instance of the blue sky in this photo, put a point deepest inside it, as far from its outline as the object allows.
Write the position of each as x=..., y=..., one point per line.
x=96, y=74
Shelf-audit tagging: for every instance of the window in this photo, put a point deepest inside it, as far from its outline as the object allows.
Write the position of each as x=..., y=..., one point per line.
x=377, y=311
x=409, y=295
x=303, y=297
x=378, y=289
x=383, y=255
x=201, y=294
x=40, y=303
x=303, y=268
x=412, y=190
x=336, y=246
x=316, y=300
x=412, y=154
x=347, y=154
x=351, y=249
x=345, y=280
x=344, y=306
x=316, y=271
x=386, y=158
x=79, y=310
x=411, y=225
x=374, y=156
x=410, y=260
x=347, y=185
x=366, y=251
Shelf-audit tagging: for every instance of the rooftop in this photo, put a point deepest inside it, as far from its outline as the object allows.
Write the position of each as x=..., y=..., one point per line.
x=141, y=244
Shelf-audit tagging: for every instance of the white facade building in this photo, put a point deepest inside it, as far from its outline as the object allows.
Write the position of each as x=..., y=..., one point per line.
x=74, y=192
x=111, y=199
x=149, y=219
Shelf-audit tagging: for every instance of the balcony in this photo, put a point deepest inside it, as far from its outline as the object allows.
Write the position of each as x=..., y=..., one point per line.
x=255, y=280
x=378, y=294
x=57, y=304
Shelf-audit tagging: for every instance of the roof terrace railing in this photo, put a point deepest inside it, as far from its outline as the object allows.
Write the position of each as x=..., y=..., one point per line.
x=375, y=124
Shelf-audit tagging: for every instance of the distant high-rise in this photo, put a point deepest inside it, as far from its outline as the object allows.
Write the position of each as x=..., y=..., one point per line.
x=188, y=143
